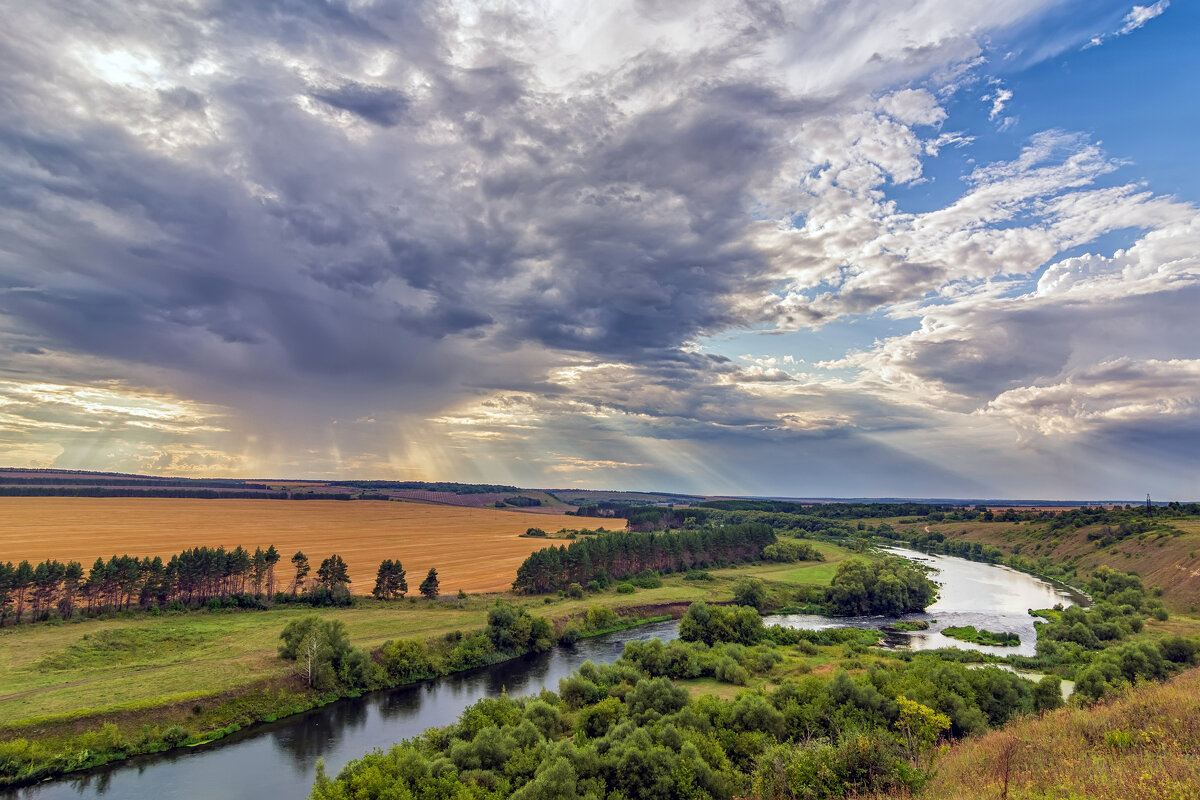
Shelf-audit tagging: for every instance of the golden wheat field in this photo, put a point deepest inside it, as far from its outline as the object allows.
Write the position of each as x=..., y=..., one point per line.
x=474, y=549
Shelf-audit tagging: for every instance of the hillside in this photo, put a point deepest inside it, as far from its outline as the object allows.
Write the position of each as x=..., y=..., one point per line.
x=1169, y=558
x=1142, y=745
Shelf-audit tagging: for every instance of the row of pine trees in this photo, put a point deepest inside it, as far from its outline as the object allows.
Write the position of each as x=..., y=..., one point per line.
x=621, y=554
x=188, y=579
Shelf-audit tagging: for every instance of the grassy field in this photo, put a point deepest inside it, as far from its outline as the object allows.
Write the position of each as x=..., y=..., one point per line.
x=1143, y=745
x=140, y=661
x=474, y=549
x=815, y=572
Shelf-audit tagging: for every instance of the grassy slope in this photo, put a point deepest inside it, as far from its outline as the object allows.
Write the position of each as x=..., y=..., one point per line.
x=111, y=665
x=1143, y=745
x=1172, y=562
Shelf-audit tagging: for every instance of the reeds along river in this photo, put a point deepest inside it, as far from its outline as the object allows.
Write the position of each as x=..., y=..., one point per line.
x=278, y=759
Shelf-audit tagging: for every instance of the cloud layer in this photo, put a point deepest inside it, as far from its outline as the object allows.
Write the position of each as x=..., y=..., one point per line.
x=450, y=240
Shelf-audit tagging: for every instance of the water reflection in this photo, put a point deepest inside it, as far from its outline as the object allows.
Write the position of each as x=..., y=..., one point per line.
x=986, y=596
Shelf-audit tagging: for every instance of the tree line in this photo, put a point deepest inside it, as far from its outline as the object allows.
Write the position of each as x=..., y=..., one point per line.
x=425, y=486
x=121, y=491
x=200, y=576
x=831, y=510
x=621, y=554
x=193, y=483
x=629, y=730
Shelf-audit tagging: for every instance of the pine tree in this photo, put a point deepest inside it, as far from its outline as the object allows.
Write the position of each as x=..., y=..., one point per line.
x=272, y=558
x=390, y=580
x=300, y=562
x=429, y=586
x=333, y=572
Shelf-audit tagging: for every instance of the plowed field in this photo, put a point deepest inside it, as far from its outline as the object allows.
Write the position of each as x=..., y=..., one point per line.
x=474, y=549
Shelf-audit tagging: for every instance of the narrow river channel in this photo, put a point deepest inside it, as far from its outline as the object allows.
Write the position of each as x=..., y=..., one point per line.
x=277, y=760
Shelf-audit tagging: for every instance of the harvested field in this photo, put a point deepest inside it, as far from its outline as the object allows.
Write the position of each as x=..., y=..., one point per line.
x=474, y=549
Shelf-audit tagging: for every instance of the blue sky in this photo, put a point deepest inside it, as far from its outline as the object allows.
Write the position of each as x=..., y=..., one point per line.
x=923, y=248
x=1136, y=93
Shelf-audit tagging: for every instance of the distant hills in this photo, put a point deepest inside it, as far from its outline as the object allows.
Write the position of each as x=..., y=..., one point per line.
x=17, y=482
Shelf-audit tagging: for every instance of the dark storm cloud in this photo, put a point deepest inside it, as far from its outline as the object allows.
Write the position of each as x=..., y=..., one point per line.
x=252, y=228
x=380, y=105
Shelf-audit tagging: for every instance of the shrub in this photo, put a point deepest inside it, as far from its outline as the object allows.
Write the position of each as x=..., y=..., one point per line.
x=750, y=592
x=174, y=735
x=625, y=588
x=601, y=618
x=647, y=579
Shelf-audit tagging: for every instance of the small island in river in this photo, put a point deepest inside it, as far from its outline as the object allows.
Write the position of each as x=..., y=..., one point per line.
x=969, y=633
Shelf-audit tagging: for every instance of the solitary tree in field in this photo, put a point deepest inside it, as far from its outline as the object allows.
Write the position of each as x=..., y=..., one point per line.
x=390, y=581
x=333, y=572
x=300, y=562
x=429, y=586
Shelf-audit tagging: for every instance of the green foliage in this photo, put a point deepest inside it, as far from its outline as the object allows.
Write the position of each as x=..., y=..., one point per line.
x=969, y=633
x=406, y=661
x=601, y=618
x=711, y=624
x=1120, y=667
x=647, y=579
x=1047, y=694
x=1120, y=608
x=174, y=735
x=323, y=655
x=390, y=580
x=429, y=586
x=750, y=592
x=624, y=554
x=787, y=551
x=892, y=586
x=908, y=625
x=628, y=730
x=514, y=630
x=333, y=572
x=920, y=725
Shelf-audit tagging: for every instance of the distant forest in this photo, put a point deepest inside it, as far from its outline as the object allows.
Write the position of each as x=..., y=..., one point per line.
x=120, y=491
x=621, y=554
x=422, y=486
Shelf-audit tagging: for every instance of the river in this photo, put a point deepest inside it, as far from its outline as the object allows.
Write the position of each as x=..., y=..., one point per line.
x=277, y=759
x=988, y=596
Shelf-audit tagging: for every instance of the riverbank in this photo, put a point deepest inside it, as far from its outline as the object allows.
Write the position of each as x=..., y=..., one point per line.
x=1012, y=562
x=55, y=745
x=1163, y=558
x=76, y=695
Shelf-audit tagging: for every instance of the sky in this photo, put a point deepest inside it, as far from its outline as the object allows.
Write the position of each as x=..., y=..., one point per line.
x=922, y=248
